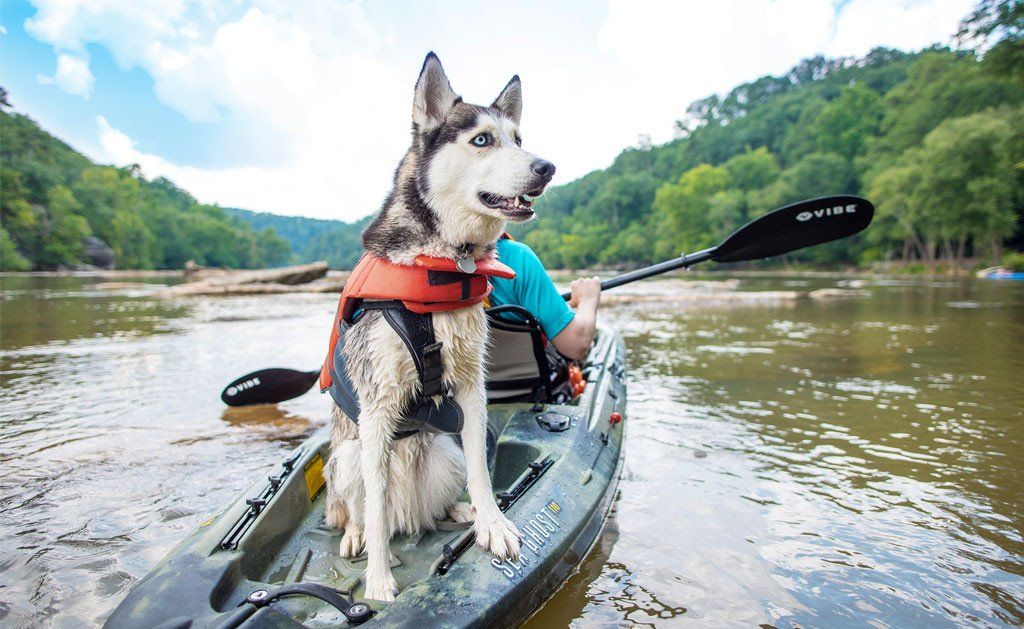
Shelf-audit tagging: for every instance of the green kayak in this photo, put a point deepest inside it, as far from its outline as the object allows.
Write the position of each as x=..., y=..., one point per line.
x=268, y=560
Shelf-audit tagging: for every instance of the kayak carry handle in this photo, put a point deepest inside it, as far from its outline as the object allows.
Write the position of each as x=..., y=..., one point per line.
x=356, y=613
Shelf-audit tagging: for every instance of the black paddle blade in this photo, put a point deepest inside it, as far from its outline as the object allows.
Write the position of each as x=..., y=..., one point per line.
x=268, y=386
x=796, y=226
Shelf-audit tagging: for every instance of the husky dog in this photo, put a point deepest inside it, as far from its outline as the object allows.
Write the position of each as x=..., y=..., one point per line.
x=462, y=179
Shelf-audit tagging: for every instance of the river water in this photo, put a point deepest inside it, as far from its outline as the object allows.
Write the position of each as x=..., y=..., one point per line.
x=788, y=462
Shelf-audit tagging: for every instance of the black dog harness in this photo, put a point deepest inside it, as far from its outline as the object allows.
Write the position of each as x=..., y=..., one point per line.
x=417, y=332
x=407, y=297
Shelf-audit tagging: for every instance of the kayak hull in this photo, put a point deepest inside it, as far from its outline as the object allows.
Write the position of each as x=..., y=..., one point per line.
x=557, y=487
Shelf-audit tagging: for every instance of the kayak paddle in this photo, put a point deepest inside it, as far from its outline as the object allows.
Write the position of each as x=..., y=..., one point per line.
x=796, y=226
x=268, y=386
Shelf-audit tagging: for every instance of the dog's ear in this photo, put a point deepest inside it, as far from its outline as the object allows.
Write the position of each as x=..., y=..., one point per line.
x=434, y=95
x=510, y=101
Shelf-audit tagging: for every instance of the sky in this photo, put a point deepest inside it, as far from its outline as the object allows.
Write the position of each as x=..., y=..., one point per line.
x=304, y=107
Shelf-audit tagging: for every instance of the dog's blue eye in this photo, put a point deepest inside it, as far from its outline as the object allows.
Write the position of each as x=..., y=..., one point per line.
x=481, y=140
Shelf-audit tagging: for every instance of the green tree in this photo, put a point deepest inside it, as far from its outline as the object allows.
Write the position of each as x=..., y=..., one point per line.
x=957, y=188
x=969, y=181
x=681, y=210
x=939, y=85
x=842, y=126
x=61, y=230
x=270, y=249
x=753, y=170
x=547, y=244
x=104, y=193
x=132, y=240
x=819, y=174
x=10, y=258
x=17, y=217
x=897, y=216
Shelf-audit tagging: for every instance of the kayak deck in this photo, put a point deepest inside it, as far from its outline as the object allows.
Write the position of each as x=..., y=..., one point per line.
x=556, y=487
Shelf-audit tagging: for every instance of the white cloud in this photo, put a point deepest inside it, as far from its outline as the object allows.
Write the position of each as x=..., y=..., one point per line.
x=676, y=52
x=72, y=76
x=224, y=186
x=296, y=186
x=323, y=88
x=907, y=25
x=298, y=80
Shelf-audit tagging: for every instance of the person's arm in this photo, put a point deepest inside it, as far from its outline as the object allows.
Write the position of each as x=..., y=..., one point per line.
x=575, y=339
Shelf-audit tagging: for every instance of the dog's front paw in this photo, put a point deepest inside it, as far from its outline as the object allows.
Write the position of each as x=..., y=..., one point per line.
x=381, y=587
x=497, y=534
x=352, y=542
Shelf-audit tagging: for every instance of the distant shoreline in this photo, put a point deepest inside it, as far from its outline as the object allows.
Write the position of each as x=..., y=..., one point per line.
x=556, y=273
x=826, y=274
x=111, y=274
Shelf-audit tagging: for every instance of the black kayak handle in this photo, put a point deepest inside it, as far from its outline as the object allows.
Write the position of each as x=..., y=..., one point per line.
x=356, y=613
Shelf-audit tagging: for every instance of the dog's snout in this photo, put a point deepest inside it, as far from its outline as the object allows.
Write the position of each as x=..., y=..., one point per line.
x=543, y=168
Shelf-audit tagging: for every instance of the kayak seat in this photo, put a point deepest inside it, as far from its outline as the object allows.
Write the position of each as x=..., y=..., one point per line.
x=522, y=365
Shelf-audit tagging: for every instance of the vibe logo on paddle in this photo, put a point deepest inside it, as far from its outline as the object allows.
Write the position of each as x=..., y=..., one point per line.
x=806, y=215
x=248, y=384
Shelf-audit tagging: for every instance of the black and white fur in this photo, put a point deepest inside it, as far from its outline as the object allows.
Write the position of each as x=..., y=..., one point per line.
x=453, y=194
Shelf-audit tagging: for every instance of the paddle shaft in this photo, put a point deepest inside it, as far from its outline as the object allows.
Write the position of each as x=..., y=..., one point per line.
x=655, y=269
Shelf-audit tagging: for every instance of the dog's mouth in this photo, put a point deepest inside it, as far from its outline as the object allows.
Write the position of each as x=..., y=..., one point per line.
x=520, y=207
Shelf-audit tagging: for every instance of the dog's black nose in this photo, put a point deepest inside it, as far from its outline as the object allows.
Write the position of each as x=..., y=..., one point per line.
x=543, y=168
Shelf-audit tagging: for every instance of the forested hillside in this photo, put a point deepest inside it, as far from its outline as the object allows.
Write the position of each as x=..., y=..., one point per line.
x=341, y=246
x=935, y=140
x=312, y=239
x=52, y=199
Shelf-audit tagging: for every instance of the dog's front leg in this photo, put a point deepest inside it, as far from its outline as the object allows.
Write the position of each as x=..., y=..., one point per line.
x=375, y=449
x=493, y=530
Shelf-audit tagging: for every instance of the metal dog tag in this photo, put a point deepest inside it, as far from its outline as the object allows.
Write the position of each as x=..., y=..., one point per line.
x=466, y=264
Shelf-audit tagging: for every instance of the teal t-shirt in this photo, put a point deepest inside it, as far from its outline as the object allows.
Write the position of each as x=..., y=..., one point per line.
x=532, y=288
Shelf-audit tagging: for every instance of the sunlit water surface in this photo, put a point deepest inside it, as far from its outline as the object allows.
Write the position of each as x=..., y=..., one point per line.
x=804, y=463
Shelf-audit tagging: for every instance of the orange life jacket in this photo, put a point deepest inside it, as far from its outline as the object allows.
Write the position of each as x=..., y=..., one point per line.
x=429, y=285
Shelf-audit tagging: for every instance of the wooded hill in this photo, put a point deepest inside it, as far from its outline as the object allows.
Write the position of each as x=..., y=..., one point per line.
x=55, y=201
x=312, y=239
x=935, y=139
x=52, y=199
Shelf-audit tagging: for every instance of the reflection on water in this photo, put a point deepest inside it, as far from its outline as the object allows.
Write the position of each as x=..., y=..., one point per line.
x=789, y=463
x=832, y=463
x=113, y=440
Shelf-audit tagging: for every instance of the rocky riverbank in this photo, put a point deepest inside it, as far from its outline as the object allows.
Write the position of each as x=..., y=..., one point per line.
x=302, y=278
